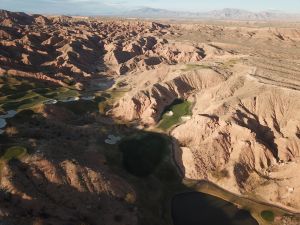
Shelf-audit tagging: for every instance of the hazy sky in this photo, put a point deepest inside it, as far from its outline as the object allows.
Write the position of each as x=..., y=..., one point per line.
x=107, y=6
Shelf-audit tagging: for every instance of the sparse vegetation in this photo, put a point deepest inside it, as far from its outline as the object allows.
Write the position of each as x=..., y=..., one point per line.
x=221, y=174
x=195, y=67
x=230, y=63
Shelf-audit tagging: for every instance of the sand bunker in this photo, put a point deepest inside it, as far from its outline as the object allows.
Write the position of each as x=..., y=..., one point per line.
x=112, y=139
x=9, y=114
x=2, y=123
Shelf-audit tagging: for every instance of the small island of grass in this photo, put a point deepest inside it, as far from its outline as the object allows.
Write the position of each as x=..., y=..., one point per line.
x=179, y=108
x=14, y=152
x=267, y=215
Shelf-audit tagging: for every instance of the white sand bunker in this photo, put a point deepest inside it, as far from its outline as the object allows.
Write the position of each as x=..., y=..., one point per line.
x=50, y=102
x=2, y=123
x=186, y=118
x=9, y=114
x=170, y=113
x=70, y=99
x=112, y=140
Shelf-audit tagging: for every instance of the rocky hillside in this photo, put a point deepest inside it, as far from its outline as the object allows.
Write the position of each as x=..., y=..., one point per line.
x=65, y=50
x=244, y=131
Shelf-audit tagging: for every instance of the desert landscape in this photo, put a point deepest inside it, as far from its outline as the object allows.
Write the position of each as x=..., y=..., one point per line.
x=124, y=114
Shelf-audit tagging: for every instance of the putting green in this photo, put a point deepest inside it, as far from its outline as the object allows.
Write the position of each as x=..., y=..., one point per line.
x=179, y=108
x=14, y=152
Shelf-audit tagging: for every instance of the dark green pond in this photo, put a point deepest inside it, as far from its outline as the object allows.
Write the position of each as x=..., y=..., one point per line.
x=195, y=208
x=142, y=154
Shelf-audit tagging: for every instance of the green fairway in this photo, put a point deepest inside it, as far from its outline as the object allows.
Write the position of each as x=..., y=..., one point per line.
x=179, y=108
x=14, y=152
x=20, y=94
x=82, y=106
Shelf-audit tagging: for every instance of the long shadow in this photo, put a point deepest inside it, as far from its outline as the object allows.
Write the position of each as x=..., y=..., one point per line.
x=46, y=191
x=43, y=191
x=264, y=134
x=194, y=208
x=43, y=202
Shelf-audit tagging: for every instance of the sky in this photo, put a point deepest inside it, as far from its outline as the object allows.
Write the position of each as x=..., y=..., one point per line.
x=105, y=7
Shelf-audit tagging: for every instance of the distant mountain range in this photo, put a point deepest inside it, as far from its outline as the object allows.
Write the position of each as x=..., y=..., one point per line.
x=224, y=14
x=152, y=13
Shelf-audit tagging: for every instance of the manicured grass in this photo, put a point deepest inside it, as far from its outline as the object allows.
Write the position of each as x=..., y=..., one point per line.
x=22, y=104
x=179, y=108
x=13, y=153
x=82, y=106
x=12, y=85
x=142, y=154
x=61, y=93
x=20, y=94
x=268, y=215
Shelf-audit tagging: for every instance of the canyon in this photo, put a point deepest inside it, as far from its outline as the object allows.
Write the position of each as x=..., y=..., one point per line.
x=242, y=80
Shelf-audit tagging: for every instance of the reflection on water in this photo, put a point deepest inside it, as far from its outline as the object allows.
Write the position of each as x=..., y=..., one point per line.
x=195, y=208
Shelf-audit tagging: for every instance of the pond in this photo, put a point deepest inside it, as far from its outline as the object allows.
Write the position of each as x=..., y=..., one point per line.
x=143, y=153
x=195, y=208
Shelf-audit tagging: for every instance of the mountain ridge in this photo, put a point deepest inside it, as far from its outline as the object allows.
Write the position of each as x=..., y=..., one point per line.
x=223, y=14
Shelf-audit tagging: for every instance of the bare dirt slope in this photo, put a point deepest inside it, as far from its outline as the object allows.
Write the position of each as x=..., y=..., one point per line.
x=244, y=132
